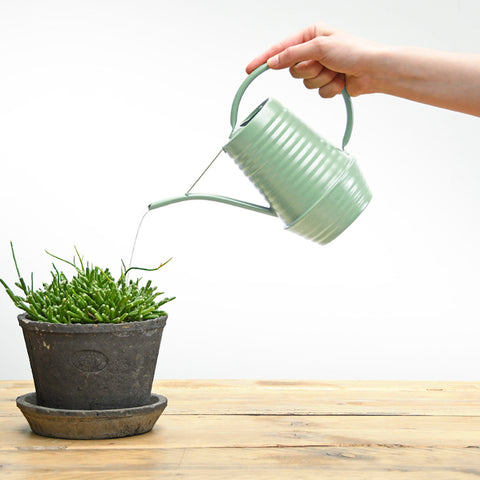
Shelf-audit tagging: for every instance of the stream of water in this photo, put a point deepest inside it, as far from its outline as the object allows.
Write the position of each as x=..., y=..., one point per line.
x=187, y=192
x=135, y=241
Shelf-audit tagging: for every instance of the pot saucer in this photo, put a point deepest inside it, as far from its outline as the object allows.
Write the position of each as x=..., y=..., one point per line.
x=90, y=424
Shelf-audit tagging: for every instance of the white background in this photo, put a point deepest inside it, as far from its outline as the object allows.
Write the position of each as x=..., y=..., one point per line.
x=106, y=106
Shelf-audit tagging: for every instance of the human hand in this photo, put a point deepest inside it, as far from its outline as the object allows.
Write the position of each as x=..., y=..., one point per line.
x=325, y=58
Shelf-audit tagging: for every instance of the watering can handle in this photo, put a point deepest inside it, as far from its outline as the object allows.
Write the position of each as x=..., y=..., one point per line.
x=263, y=68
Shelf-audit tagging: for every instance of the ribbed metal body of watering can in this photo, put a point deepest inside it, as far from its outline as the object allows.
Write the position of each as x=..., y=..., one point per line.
x=314, y=187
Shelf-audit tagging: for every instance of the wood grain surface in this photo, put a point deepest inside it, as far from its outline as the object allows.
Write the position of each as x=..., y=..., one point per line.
x=268, y=429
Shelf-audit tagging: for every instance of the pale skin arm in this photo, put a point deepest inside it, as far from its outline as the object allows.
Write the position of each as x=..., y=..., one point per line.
x=328, y=59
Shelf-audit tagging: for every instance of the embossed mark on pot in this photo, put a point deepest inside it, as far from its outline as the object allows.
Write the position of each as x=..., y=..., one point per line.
x=90, y=361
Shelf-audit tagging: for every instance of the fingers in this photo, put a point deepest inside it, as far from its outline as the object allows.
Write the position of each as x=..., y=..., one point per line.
x=304, y=53
x=261, y=59
x=303, y=36
x=322, y=79
x=307, y=69
x=334, y=87
x=277, y=48
x=311, y=50
x=315, y=75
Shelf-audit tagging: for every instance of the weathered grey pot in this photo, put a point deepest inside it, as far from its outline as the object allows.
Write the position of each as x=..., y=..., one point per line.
x=92, y=366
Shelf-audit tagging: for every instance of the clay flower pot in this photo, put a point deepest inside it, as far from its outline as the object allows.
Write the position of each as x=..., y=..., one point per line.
x=93, y=366
x=93, y=344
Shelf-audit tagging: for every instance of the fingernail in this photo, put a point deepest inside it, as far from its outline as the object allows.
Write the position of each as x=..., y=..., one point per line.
x=273, y=62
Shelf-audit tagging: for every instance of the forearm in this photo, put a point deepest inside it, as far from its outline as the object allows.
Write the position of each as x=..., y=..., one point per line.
x=443, y=79
x=328, y=59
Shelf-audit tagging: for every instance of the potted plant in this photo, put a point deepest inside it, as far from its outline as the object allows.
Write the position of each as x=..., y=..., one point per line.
x=93, y=343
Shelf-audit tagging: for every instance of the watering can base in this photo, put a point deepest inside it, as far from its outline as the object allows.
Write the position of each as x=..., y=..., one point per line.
x=336, y=211
x=321, y=234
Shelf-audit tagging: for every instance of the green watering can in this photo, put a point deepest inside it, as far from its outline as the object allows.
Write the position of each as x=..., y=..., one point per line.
x=315, y=187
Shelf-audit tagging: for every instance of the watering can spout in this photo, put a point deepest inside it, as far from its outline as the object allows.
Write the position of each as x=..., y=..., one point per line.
x=214, y=198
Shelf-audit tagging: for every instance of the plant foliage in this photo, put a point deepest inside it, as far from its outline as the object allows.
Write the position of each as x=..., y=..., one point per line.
x=91, y=296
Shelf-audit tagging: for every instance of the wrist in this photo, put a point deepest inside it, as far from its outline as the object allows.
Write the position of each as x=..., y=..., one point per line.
x=377, y=70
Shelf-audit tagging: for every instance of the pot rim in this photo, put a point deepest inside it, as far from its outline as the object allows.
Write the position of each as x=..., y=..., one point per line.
x=34, y=325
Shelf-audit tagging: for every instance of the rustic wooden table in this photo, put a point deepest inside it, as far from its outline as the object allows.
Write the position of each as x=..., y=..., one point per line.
x=268, y=429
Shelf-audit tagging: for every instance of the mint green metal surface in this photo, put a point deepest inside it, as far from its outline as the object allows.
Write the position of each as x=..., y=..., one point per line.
x=349, y=127
x=264, y=68
x=241, y=90
x=315, y=187
x=335, y=211
x=213, y=198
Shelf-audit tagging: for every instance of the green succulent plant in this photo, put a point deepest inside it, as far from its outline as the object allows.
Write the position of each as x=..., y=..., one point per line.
x=91, y=296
